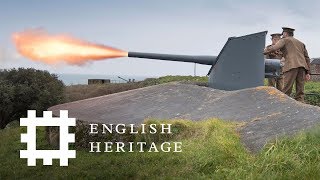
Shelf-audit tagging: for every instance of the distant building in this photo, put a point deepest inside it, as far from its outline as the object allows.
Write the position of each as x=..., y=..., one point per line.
x=99, y=81
x=315, y=69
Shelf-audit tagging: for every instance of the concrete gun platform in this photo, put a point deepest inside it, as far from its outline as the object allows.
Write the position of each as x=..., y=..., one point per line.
x=264, y=111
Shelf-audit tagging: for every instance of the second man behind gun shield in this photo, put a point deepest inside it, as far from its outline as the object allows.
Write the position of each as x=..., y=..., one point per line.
x=275, y=82
x=296, y=67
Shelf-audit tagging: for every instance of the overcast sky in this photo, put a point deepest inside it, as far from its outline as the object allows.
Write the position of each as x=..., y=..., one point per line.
x=165, y=26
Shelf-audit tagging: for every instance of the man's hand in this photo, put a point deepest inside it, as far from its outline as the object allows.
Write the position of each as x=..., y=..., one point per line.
x=308, y=77
x=267, y=50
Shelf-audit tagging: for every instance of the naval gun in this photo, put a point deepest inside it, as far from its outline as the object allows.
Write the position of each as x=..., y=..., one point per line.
x=239, y=65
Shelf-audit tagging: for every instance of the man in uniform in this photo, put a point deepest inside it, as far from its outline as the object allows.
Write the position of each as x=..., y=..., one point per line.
x=296, y=63
x=275, y=82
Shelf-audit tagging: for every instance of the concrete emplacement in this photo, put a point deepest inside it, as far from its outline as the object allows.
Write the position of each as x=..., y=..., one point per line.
x=264, y=111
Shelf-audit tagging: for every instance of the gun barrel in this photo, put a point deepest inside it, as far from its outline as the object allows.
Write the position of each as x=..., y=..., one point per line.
x=272, y=68
x=207, y=60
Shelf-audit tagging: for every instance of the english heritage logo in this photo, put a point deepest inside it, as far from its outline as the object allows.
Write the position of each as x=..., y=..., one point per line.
x=63, y=122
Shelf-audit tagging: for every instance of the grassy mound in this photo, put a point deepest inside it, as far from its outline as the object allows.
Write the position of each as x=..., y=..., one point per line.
x=211, y=149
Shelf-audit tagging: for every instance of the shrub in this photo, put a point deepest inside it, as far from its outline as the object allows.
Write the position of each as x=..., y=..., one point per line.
x=23, y=89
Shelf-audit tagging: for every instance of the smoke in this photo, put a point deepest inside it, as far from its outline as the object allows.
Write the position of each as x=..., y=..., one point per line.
x=39, y=45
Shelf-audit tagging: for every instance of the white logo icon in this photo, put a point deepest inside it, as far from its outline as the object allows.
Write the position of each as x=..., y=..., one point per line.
x=63, y=122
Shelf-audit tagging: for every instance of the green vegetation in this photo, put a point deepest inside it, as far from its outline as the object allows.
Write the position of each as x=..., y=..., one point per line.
x=78, y=92
x=211, y=150
x=313, y=93
x=22, y=89
x=312, y=90
x=166, y=79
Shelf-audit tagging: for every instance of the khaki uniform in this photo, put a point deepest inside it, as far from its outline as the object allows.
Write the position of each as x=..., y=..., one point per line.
x=275, y=82
x=296, y=65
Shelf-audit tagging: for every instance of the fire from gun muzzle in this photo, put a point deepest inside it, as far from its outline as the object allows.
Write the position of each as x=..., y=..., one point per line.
x=38, y=45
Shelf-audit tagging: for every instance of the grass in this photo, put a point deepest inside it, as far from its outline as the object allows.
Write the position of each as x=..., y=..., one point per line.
x=79, y=92
x=211, y=150
x=312, y=92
